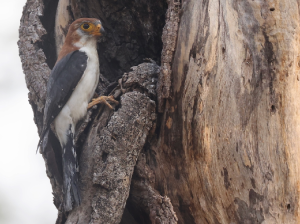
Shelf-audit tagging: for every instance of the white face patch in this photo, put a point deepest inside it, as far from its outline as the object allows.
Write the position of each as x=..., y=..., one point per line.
x=84, y=39
x=81, y=33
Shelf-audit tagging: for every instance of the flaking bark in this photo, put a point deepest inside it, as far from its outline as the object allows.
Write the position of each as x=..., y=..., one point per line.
x=169, y=38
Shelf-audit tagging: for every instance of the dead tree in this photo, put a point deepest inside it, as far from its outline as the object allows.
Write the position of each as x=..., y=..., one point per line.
x=215, y=141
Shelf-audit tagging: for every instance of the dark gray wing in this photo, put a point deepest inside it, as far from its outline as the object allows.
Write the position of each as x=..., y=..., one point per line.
x=62, y=81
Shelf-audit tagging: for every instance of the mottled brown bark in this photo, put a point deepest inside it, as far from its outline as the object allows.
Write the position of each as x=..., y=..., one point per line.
x=223, y=147
x=228, y=138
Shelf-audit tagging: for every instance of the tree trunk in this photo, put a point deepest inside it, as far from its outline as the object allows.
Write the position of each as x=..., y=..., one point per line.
x=218, y=141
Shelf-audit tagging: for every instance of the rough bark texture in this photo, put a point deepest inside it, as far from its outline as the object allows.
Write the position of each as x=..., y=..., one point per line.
x=230, y=150
x=224, y=148
x=108, y=143
x=108, y=158
x=169, y=38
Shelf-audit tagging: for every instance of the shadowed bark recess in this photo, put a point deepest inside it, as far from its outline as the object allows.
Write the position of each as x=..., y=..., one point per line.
x=133, y=30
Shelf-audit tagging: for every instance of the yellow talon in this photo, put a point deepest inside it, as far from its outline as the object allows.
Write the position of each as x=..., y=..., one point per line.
x=103, y=100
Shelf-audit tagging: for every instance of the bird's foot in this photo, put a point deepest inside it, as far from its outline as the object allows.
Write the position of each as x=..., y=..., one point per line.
x=103, y=100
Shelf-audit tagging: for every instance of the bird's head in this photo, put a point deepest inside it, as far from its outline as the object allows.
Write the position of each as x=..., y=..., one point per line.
x=82, y=31
x=85, y=29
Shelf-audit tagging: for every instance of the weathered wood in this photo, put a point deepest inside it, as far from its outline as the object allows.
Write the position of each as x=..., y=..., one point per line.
x=63, y=19
x=223, y=150
x=36, y=72
x=144, y=196
x=228, y=139
x=32, y=57
x=108, y=159
x=115, y=157
x=169, y=38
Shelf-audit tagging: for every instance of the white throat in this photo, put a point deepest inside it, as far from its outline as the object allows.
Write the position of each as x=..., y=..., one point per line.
x=89, y=46
x=86, y=41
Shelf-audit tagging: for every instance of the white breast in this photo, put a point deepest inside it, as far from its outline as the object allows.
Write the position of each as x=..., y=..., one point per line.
x=76, y=107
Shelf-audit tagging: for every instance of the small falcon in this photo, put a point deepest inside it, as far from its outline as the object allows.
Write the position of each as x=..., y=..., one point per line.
x=71, y=85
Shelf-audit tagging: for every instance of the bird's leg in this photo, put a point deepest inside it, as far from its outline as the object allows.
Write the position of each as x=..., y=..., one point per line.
x=103, y=100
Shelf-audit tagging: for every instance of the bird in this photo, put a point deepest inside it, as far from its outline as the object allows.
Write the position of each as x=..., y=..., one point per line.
x=70, y=88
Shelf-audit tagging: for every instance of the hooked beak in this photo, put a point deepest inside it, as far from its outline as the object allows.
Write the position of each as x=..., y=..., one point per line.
x=102, y=31
x=99, y=31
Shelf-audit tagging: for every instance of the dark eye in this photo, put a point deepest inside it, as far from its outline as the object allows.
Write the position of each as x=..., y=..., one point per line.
x=85, y=26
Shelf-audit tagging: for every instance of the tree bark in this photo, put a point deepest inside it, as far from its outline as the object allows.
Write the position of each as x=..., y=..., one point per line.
x=220, y=146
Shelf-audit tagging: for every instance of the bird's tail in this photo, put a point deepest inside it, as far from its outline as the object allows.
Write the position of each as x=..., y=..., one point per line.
x=43, y=140
x=70, y=169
